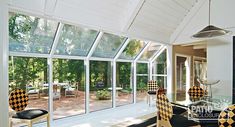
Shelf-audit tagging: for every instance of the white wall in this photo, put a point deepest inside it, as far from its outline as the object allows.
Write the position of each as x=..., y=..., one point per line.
x=219, y=61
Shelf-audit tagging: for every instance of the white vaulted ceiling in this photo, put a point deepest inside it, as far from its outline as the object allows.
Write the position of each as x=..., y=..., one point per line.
x=152, y=20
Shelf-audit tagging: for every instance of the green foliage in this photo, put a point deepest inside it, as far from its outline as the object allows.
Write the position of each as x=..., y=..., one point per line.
x=103, y=95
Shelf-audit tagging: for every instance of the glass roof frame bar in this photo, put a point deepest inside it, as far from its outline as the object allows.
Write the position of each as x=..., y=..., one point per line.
x=142, y=51
x=158, y=53
x=69, y=57
x=155, y=53
x=23, y=54
x=122, y=49
x=93, y=47
x=56, y=39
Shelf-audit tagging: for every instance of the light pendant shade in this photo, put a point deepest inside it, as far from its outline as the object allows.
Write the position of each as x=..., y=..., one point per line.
x=210, y=31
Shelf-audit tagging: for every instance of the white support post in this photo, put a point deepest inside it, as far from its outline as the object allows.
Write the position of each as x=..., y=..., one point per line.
x=87, y=97
x=114, y=83
x=150, y=70
x=56, y=40
x=97, y=40
x=134, y=80
x=169, y=69
x=121, y=49
x=50, y=92
x=4, y=44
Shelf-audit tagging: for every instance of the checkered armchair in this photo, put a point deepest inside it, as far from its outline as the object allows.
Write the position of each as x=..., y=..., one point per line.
x=227, y=117
x=165, y=116
x=152, y=89
x=18, y=101
x=196, y=93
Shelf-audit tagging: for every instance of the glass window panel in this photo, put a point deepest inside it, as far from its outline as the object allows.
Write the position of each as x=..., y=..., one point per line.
x=124, y=94
x=100, y=85
x=142, y=79
x=149, y=52
x=160, y=64
x=68, y=87
x=31, y=34
x=29, y=74
x=132, y=49
x=108, y=46
x=75, y=41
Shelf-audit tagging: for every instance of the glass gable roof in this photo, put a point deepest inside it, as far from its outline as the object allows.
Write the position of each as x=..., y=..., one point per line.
x=75, y=41
x=133, y=48
x=108, y=45
x=149, y=52
x=30, y=34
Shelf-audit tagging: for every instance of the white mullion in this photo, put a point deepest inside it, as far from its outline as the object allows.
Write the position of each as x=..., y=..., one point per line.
x=124, y=60
x=134, y=81
x=114, y=83
x=150, y=67
x=97, y=40
x=56, y=40
x=87, y=82
x=50, y=103
x=4, y=46
x=121, y=49
x=143, y=50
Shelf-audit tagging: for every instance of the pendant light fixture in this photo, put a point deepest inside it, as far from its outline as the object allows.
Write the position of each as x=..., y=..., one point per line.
x=210, y=30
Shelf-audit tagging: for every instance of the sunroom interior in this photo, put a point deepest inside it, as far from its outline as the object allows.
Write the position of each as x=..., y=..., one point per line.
x=88, y=63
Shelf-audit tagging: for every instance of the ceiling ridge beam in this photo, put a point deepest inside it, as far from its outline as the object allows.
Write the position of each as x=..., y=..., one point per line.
x=133, y=13
x=187, y=19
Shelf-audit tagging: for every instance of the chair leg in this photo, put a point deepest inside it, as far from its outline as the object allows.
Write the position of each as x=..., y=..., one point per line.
x=48, y=120
x=10, y=123
x=30, y=124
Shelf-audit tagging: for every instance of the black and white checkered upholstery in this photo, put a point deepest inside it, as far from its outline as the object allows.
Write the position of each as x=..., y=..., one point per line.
x=227, y=117
x=195, y=93
x=152, y=86
x=164, y=107
x=18, y=100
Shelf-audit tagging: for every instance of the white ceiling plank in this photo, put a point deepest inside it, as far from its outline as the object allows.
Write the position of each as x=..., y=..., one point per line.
x=134, y=7
x=50, y=7
x=186, y=20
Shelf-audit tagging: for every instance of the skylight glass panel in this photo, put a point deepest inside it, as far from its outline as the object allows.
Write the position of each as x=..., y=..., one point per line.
x=75, y=41
x=108, y=46
x=31, y=34
x=133, y=48
x=149, y=52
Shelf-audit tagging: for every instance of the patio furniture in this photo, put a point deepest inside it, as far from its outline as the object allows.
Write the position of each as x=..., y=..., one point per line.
x=70, y=91
x=56, y=91
x=33, y=91
x=18, y=101
x=166, y=118
x=152, y=89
